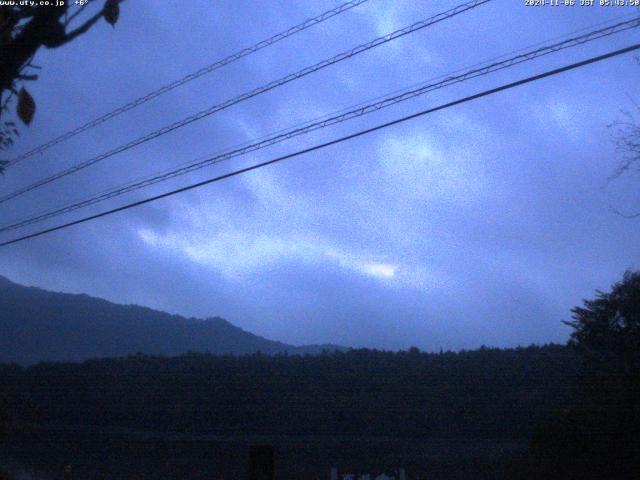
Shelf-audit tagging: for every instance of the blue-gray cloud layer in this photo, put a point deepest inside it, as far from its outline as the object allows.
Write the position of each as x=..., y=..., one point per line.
x=481, y=224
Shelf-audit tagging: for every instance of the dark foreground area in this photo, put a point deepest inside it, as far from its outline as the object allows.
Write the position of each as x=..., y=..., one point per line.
x=463, y=415
x=486, y=393
x=552, y=412
x=101, y=455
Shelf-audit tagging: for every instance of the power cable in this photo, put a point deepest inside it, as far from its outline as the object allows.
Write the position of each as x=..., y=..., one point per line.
x=192, y=76
x=245, y=96
x=484, y=93
x=332, y=120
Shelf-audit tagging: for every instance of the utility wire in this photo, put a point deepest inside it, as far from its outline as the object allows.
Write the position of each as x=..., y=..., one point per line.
x=359, y=104
x=131, y=186
x=360, y=133
x=192, y=76
x=346, y=109
x=332, y=120
x=245, y=96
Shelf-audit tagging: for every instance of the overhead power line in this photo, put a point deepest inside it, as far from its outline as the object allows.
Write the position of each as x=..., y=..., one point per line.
x=360, y=133
x=332, y=120
x=192, y=76
x=245, y=96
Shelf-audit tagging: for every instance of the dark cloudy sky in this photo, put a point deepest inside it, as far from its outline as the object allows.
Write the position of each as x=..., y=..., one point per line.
x=481, y=224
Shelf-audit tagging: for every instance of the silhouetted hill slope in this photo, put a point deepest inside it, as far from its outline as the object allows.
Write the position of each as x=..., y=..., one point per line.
x=38, y=325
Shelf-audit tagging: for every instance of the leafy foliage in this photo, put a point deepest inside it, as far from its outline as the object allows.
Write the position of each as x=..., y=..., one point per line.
x=599, y=436
x=24, y=28
x=607, y=329
x=111, y=12
x=26, y=106
x=8, y=131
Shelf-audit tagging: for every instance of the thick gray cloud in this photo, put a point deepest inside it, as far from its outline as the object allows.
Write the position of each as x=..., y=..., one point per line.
x=481, y=224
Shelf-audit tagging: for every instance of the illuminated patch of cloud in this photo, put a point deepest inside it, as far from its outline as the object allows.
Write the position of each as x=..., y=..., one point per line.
x=235, y=255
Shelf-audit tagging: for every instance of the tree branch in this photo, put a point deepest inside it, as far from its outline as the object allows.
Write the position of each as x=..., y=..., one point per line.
x=82, y=28
x=27, y=77
x=85, y=26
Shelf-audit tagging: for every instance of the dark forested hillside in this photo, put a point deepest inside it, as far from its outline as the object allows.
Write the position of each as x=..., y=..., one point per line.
x=39, y=325
x=362, y=406
x=484, y=393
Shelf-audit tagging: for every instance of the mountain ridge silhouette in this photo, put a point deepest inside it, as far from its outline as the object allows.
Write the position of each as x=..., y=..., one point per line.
x=41, y=325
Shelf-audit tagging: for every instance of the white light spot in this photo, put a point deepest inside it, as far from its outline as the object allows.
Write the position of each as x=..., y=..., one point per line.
x=383, y=270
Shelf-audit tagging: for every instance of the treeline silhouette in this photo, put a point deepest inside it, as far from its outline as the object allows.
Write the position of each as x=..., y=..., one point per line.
x=598, y=436
x=483, y=393
x=579, y=404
